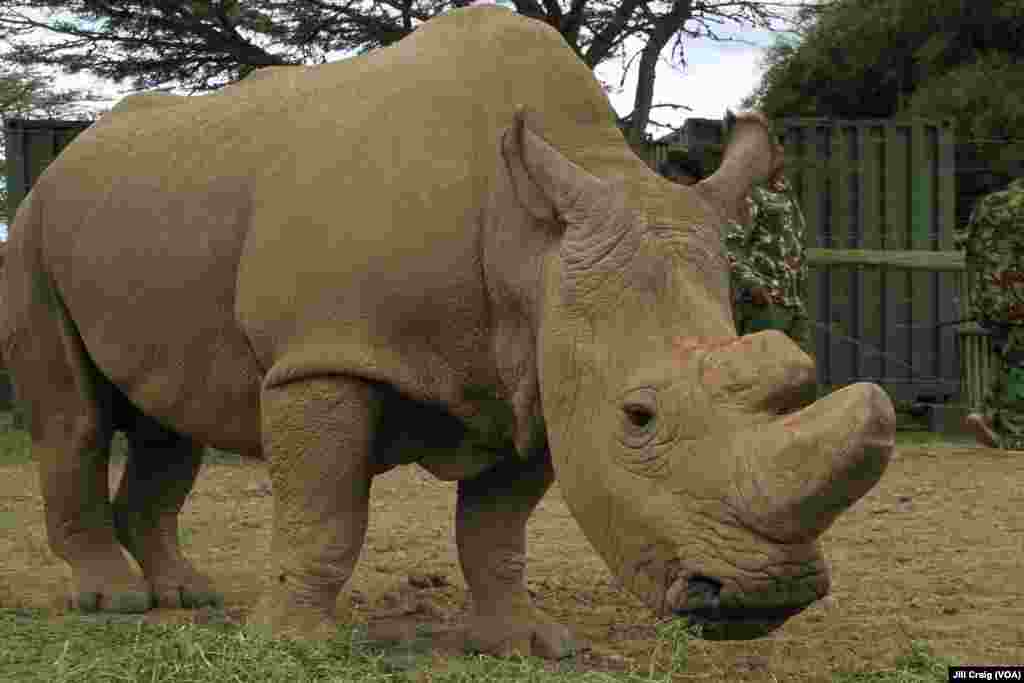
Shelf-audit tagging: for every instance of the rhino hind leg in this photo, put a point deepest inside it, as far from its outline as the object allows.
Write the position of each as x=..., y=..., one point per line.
x=73, y=467
x=316, y=439
x=490, y=530
x=72, y=414
x=162, y=468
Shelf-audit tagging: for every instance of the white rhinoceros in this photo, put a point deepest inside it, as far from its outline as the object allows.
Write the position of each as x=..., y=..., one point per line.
x=440, y=252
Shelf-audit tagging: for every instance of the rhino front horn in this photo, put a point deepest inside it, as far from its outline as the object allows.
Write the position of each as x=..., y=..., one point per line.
x=822, y=460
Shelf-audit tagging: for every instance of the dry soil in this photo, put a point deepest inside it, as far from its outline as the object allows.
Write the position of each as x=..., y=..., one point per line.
x=935, y=552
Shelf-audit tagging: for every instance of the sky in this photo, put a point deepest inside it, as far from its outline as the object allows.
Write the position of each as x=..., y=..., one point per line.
x=717, y=76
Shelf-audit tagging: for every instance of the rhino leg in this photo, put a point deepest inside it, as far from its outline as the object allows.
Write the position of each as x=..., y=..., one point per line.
x=160, y=473
x=316, y=437
x=73, y=467
x=71, y=409
x=490, y=528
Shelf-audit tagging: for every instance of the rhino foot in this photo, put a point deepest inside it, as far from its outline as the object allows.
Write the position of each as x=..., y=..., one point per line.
x=185, y=588
x=96, y=590
x=535, y=636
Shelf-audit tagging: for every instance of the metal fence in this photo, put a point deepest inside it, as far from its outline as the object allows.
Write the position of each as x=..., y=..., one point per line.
x=875, y=185
x=880, y=185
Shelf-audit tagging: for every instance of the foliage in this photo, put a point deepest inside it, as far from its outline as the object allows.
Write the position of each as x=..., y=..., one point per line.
x=27, y=93
x=986, y=100
x=872, y=58
x=199, y=45
x=960, y=61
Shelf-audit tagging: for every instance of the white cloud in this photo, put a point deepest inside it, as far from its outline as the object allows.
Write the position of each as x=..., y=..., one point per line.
x=717, y=76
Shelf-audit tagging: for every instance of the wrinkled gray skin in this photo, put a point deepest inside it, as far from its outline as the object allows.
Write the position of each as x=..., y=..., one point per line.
x=502, y=294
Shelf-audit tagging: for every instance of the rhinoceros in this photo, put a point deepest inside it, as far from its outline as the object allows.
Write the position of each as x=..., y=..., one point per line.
x=441, y=252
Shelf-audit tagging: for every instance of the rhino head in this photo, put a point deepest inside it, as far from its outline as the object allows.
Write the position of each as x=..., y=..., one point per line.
x=696, y=462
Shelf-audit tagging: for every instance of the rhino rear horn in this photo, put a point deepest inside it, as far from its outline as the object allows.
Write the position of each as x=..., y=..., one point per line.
x=751, y=157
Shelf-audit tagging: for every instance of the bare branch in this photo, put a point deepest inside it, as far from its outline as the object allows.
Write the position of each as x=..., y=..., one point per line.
x=200, y=45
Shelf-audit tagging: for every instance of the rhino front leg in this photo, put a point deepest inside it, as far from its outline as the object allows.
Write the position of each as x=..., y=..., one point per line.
x=316, y=437
x=490, y=527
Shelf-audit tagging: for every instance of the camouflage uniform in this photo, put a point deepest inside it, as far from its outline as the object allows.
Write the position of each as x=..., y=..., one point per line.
x=994, y=243
x=768, y=253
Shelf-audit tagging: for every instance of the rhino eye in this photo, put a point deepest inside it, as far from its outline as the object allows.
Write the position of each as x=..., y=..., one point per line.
x=639, y=416
x=639, y=413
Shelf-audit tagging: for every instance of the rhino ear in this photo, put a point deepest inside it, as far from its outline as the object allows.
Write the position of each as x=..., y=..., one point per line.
x=546, y=184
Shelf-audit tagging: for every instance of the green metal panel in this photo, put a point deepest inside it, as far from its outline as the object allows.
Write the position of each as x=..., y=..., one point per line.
x=898, y=288
x=924, y=303
x=869, y=183
x=31, y=145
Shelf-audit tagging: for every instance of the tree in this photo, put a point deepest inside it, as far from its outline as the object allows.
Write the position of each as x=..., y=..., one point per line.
x=959, y=60
x=882, y=58
x=200, y=45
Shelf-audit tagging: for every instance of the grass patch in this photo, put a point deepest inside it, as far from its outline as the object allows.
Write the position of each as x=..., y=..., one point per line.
x=89, y=649
x=15, y=444
x=920, y=438
x=919, y=665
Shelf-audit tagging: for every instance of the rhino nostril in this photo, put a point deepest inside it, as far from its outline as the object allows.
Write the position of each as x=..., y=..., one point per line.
x=702, y=591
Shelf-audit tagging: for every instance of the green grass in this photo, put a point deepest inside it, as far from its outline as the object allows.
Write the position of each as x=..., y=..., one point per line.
x=93, y=650
x=920, y=438
x=917, y=666
x=15, y=445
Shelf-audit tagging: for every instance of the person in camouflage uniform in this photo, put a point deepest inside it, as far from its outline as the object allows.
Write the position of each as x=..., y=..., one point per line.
x=766, y=255
x=994, y=244
x=769, y=274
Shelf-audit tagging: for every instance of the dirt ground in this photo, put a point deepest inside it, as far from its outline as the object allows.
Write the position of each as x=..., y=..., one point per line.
x=935, y=552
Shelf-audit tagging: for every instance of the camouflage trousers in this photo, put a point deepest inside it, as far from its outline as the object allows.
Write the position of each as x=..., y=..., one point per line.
x=1003, y=405
x=751, y=317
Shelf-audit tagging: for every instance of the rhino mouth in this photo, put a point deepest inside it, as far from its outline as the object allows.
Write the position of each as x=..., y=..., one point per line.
x=701, y=606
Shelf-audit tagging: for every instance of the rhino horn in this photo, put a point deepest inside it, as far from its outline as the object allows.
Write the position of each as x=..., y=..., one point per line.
x=751, y=157
x=797, y=473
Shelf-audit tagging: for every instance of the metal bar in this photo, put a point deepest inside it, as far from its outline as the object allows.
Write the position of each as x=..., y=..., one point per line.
x=895, y=258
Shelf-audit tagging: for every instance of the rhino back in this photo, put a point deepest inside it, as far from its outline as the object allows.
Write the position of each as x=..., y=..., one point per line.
x=388, y=175
x=318, y=220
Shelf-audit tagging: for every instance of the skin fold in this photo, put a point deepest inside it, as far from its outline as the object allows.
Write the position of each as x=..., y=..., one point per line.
x=434, y=253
